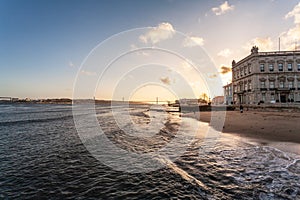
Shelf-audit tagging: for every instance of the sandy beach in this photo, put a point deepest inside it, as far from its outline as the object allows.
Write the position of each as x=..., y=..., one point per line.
x=281, y=129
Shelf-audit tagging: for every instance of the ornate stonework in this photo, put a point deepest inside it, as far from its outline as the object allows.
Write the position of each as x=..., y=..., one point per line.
x=260, y=82
x=254, y=50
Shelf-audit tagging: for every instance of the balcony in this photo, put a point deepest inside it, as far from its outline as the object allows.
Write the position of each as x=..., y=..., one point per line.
x=239, y=92
x=283, y=89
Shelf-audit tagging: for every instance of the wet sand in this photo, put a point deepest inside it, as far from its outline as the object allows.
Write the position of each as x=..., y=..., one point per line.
x=280, y=129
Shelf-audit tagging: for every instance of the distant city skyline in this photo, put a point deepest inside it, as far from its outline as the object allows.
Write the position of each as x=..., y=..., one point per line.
x=44, y=43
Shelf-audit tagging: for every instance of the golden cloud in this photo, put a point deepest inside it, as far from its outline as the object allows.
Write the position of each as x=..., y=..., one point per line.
x=165, y=80
x=163, y=31
x=225, y=70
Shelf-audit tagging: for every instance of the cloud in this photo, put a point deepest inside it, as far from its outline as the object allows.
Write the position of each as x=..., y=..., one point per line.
x=193, y=41
x=294, y=13
x=186, y=66
x=225, y=53
x=264, y=44
x=139, y=52
x=87, y=73
x=225, y=70
x=71, y=64
x=223, y=8
x=288, y=39
x=291, y=36
x=133, y=47
x=211, y=76
x=162, y=32
x=165, y=80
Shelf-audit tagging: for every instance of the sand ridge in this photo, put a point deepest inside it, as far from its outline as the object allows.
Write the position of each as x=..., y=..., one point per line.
x=273, y=126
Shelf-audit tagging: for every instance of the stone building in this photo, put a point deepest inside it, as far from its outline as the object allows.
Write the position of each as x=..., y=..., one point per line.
x=228, y=99
x=218, y=100
x=267, y=77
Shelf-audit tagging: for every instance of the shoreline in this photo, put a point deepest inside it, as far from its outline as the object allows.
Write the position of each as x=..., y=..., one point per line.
x=277, y=129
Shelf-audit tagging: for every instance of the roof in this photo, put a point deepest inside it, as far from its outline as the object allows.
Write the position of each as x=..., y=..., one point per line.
x=262, y=54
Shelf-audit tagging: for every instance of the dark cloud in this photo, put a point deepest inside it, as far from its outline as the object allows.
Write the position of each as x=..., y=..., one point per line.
x=225, y=70
x=165, y=80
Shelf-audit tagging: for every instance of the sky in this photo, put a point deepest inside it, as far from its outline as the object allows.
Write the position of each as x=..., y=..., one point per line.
x=135, y=49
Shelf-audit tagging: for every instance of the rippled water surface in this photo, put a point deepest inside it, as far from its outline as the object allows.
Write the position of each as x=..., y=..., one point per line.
x=43, y=157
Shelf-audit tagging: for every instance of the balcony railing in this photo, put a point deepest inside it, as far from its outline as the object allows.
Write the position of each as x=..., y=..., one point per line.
x=277, y=53
x=283, y=88
x=272, y=89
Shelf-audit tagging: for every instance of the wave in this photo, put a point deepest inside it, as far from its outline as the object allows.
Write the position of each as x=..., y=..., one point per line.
x=27, y=121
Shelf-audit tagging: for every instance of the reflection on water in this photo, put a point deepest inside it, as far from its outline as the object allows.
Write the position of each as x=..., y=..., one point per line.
x=42, y=157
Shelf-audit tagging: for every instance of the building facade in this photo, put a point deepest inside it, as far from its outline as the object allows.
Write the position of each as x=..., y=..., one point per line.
x=218, y=100
x=228, y=98
x=267, y=77
x=186, y=102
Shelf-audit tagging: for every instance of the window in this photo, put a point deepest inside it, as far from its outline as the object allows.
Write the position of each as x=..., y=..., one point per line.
x=291, y=84
x=272, y=84
x=271, y=67
x=280, y=67
x=262, y=67
x=241, y=72
x=245, y=70
x=263, y=96
x=291, y=97
x=290, y=66
x=298, y=85
x=262, y=84
x=272, y=97
x=281, y=84
x=246, y=86
x=249, y=86
x=249, y=68
x=298, y=66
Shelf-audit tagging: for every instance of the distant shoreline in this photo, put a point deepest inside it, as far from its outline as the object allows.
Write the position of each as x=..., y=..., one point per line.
x=69, y=101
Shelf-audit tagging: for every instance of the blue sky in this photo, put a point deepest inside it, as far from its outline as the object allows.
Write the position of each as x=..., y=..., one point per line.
x=43, y=43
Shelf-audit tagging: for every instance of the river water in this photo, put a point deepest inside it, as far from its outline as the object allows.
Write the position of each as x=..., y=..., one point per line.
x=42, y=156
